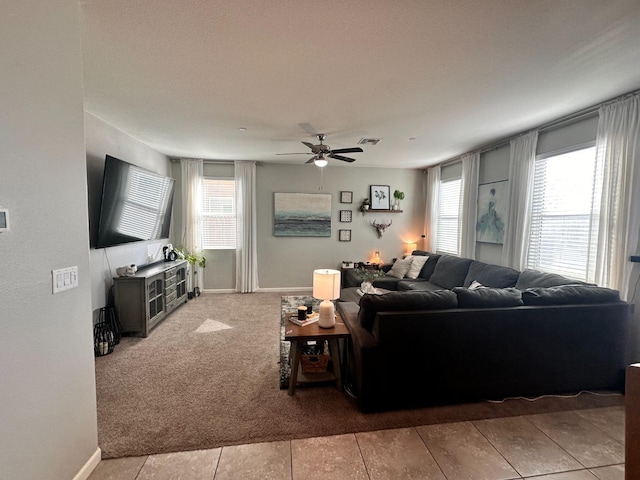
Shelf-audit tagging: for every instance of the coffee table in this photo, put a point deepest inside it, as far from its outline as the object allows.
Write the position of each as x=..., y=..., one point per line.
x=298, y=335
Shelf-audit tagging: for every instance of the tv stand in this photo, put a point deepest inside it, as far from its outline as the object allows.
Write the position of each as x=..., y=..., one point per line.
x=146, y=298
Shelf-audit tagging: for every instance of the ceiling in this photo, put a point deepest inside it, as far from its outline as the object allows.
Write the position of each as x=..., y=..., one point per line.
x=431, y=79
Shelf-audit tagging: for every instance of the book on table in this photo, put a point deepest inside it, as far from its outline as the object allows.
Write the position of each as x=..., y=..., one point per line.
x=312, y=318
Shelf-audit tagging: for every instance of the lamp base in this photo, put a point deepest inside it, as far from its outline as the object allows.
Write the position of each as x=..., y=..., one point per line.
x=327, y=318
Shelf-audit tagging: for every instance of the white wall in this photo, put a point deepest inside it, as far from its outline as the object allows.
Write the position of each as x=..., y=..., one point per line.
x=103, y=139
x=48, y=426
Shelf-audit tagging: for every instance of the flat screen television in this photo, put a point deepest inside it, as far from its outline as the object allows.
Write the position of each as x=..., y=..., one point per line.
x=136, y=204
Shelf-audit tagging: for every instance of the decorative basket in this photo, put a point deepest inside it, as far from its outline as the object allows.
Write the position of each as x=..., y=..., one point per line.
x=314, y=363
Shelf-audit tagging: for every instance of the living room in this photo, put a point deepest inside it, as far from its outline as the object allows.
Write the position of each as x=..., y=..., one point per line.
x=55, y=146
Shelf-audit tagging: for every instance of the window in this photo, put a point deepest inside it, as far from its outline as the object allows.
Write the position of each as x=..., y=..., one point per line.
x=448, y=236
x=219, y=214
x=563, y=233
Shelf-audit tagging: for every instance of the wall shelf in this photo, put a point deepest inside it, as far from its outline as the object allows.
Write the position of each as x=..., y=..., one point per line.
x=382, y=211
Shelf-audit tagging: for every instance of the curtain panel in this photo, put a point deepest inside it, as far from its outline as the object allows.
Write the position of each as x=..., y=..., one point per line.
x=521, y=174
x=431, y=215
x=617, y=163
x=469, y=204
x=192, y=203
x=246, y=228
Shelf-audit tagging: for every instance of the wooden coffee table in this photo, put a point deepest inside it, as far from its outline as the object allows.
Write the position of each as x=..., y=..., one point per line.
x=297, y=335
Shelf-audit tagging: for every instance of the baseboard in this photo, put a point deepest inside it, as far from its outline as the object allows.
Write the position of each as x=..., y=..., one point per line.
x=261, y=290
x=90, y=466
x=286, y=289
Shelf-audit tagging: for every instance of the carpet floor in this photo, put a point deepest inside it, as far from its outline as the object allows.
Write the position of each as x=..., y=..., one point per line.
x=208, y=376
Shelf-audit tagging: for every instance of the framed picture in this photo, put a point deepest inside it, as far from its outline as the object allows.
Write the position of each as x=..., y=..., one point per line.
x=344, y=235
x=346, y=197
x=302, y=215
x=380, y=197
x=492, y=212
x=345, y=215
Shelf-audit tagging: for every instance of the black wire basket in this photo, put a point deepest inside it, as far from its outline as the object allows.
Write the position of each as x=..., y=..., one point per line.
x=103, y=339
x=109, y=316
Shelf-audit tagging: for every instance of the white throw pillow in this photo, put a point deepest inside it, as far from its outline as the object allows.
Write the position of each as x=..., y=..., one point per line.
x=417, y=262
x=400, y=267
x=475, y=285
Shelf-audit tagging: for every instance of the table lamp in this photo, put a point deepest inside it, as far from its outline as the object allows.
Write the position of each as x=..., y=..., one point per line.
x=326, y=287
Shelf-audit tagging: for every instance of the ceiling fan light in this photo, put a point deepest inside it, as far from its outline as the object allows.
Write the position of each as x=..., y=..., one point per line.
x=320, y=162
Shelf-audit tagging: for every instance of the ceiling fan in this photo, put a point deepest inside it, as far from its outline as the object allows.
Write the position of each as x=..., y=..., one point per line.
x=321, y=150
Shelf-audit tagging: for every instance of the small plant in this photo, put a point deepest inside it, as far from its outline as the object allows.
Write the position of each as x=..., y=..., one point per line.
x=369, y=274
x=192, y=258
x=364, y=206
x=398, y=195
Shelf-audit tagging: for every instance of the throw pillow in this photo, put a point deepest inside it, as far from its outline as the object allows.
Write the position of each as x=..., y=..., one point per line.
x=475, y=284
x=488, y=297
x=400, y=267
x=417, y=262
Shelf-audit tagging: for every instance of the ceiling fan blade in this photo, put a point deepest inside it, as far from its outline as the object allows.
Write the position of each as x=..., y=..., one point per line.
x=340, y=157
x=310, y=145
x=311, y=160
x=347, y=150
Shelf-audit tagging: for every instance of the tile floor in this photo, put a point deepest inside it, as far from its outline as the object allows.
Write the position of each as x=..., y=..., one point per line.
x=573, y=445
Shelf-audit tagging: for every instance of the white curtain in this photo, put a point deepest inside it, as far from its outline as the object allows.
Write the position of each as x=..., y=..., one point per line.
x=469, y=204
x=617, y=152
x=431, y=216
x=521, y=172
x=192, y=203
x=246, y=228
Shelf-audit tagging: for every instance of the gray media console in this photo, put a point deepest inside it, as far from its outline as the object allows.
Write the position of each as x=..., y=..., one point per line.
x=145, y=299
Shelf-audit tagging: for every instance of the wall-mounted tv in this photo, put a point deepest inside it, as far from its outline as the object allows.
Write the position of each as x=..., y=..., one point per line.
x=136, y=204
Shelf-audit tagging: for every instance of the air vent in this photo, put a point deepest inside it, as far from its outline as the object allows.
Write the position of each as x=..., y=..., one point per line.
x=369, y=141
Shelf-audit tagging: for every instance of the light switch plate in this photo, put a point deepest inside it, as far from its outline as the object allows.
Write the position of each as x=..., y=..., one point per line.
x=4, y=220
x=64, y=279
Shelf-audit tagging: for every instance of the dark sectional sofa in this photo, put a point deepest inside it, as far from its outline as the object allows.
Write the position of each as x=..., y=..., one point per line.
x=432, y=340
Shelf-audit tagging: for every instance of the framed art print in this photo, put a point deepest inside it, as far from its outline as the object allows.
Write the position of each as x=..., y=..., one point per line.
x=492, y=212
x=345, y=215
x=346, y=197
x=380, y=197
x=344, y=235
x=302, y=215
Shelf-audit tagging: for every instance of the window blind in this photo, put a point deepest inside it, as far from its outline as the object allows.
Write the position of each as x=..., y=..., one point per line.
x=562, y=238
x=219, y=214
x=448, y=240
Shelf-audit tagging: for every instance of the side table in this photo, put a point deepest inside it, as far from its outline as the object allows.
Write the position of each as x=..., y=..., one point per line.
x=297, y=335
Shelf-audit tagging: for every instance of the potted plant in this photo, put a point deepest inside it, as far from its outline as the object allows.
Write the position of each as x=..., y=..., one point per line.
x=398, y=195
x=192, y=258
x=368, y=275
x=364, y=206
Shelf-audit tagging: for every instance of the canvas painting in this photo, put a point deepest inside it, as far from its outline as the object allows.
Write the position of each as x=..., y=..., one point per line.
x=492, y=212
x=302, y=215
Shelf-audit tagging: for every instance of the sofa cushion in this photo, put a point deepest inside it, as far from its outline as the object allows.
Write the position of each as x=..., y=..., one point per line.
x=387, y=282
x=450, y=271
x=429, y=266
x=400, y=267
x=417, y=262
x=402, y=302
x=569, y=295
x=533, y=278
x=491, y=275
x=418, y=284
x=488, y=297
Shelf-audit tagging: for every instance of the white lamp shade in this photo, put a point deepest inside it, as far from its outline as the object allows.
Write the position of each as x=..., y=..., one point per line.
x=326, y=284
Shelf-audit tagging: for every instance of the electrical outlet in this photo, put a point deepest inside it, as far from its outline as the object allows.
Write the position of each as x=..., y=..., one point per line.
x=64, y=279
